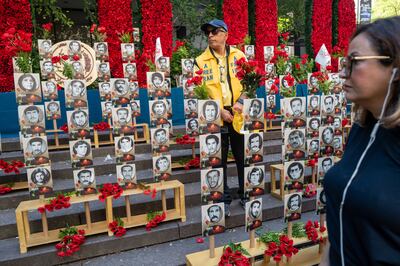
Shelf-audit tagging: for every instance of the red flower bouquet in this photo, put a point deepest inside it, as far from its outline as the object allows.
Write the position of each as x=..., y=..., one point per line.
x=312, y=232
x=154, y=218
x=18, y=43
x=109, y=189
x=185, y=139
x=234, y=254
x=12, y=167
x=117, y=227
x=99, y=33
x=71, y=240
x=4, y=189
x=62, y=201
x=102, y=126
x=283, y=248
x=250, y=76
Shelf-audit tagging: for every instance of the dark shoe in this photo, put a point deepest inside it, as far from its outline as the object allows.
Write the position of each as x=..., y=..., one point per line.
x=243, y=203
x=227, y=210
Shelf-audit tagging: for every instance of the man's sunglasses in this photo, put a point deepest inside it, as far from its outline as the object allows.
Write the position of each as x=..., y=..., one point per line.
x=214, y=31
x=348, y=62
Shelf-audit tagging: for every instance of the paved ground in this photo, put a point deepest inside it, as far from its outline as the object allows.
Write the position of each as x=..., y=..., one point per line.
x=173, y=253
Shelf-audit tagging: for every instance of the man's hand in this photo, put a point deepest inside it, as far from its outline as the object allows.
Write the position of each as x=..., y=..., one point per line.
x=226, y=116
x=238, y=107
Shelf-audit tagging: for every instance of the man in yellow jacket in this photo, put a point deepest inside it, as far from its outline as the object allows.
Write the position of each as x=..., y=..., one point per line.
x=219, y=74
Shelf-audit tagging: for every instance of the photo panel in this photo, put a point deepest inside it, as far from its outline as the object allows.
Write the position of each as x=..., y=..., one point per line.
x=155, y=84
x=136, y=35
x=295, y=144
x=135, y=106
x=340, y=101
x=168, y=125
x=312, y=84
x=130, y=71
x=253, y=214
x=249, y=52
x=49, y=90
x=321, y=201
x=120, y=91
x=85, y=181
x=289, y=49
x=269, y=84
x=78, y=123
x=124, y=149
x=210, y=150
x=47, y=70
x=268, y=53
x=209, y=116
x=162, y=167
x=31, y=119
x=314, y=105
x=337, y=83
x=169, y=108
x=75, y=93
x=101, y=50
x=158, y=110
x=128, y=52
x=35, y=151
x=326, y=135
x=53, y=110
x=284, y=84
x=78, y=69
x=163, y=65
x=167, y=87
x=253, y=113
x=271, y=102
x=270, y=70
x=327, y=105
x=134, y=89
x=253, y=146
x=192, y=127
x=74, y=47
x=106, y=109
x=292, y=210
x=312, y=148
x=188, y=89
x=126, y=175
x=294, y=175
x=313, y=125
x=338, y=145
x=103, y=71
x=40, y=181
x=44, y=47
x=187, y=66
x=105, y=90
x=81, y=153
x=324, y=164
x=122, y=120
x=254, y=181
x=212, y=185
x=159, y=140
x=213, y=219
x=190, y=107
x=27, y=88
x=295, y=112
x=289, y=69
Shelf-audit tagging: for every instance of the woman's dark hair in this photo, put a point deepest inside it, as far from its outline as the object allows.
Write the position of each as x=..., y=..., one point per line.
x=384, y=35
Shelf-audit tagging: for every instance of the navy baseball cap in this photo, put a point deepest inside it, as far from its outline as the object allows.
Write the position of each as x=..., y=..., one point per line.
x=215, y=23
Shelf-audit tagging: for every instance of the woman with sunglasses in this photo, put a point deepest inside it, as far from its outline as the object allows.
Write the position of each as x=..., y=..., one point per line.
x=363, y=189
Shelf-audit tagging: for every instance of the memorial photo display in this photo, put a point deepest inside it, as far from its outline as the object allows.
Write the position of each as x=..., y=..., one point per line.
x=40, y=181
x=212, y=185
x=213, y=219
x=253, y=214
x=254, y=181
x=210, y=150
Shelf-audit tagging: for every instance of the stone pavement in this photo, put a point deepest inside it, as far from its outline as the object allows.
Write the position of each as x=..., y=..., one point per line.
x=173, y=253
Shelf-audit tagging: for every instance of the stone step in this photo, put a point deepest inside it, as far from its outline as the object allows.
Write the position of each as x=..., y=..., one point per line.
x=137, y=237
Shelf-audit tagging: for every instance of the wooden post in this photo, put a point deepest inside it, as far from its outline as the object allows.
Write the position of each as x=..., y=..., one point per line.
x=252, y=233
x=21, y=232
x=26, y=224
x=135, y=128
x=111, y=131
x=212, y=246
x=109, y=213
x=87, y=215
x=96, y=138
x=194, y=150
x=45, y=225
x=289, y=229
x=57, y=142
x=128, y=209
x=314, y=175
x=163, y=198
x=321, y=223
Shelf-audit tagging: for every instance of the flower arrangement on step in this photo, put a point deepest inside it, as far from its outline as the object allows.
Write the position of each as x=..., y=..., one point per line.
x=154, y=219
x=12, y=167
x=312, y=229
x=108, y=189
x=117, y=227
x=61, y=201
x=71, y=240
x=234, y=254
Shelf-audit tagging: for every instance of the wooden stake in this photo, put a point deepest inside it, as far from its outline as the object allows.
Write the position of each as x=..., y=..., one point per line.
x=111, y=131
x=56, y=133
x=289, y=229
x=96, y=138
x=128, y=209
x=212, y=246
x=135, y=128
x=45, y=225
x=109, y=213
x=87, y=215
x=163, y=201
x=321, y=223
x=252, y=239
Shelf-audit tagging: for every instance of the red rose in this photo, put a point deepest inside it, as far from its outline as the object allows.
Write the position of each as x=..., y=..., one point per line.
x=76, y=57
x=47, y=26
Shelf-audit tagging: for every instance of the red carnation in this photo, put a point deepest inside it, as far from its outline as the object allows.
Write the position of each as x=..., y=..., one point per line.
x=47, y=26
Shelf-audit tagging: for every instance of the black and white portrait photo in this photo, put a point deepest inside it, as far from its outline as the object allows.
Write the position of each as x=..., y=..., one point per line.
x=209, y=116
x=74, y=47
x=268, y=53
x=162, y=167
x=134, y=88
x=126, y=175
x=294, y=139
x=135, y=106
x=312, y=148
x=47, y=69
x=327, y=104
x=326, y=134
x=271, y=102
x=106, y=109
x=292, y=206
x=187, y=66
x=31, y=119
x=254, y=181
x=159, y=140
x=40, y=180
x=192, y=126
x=324, y=164
x=270, y=69
x=81, y=153
x=27, y=88
x=49, y=90
x=213, y=219
x=85, y=181
x=35, y=150
x=321, y=201
x=162, y=65
x=101, y=50
x=128, y=52
x=103, y=71
x=124, y=148
x=75, y=93
x=253, y=146
x=249, y=52
x=105, y=90
x=190, y=107
x=253, y=214
x=313, y=106
x=212, y=185
x=78, y=123
x=122, y=116
x=158, y=112
x=313, y=84
x=294, y=175
x=155, y=84
x=210, y=150
x=120, y=90
x=253, y=112
x=44, y=47
x=130, y=71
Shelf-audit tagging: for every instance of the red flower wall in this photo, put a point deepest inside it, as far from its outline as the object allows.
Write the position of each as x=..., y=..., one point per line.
x=346, y=22
x=266, y=29
x=14, y=14
x=321, y=25
x=115, y=16
x=236, y=18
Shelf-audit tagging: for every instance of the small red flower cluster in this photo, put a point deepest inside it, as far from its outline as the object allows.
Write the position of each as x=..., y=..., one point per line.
x=5, y=189
x=155, y=221
x=196, y=80
x=321, y=76
x=94, y=27
x=57, y=203
x=279, y=54
x=270, y=115
x=185, y=139
x=102, y=126
x=117, y=228
x=283, y=248
x=310, y=190
x=11, y=167
x=64, y=128
x=193, y=163
x=311, y=231
x=345, y=121
x=178, y=44
x=17, y=41
x=230, y=257
x=290, y=80
x=109, y=189
x=47, y=27
x=70, y=243
x=148, y=192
